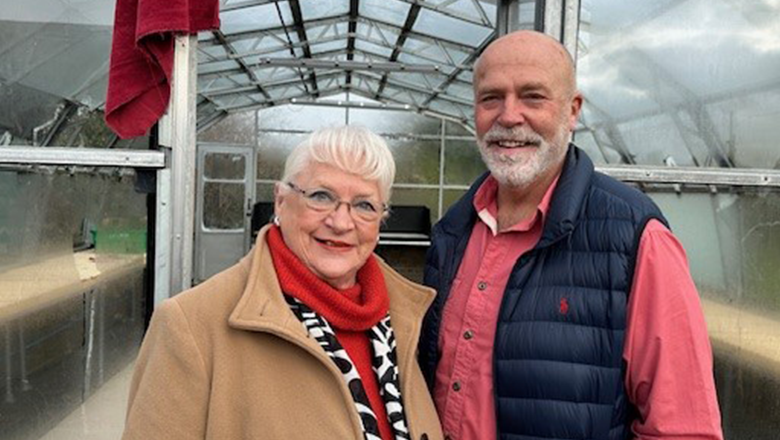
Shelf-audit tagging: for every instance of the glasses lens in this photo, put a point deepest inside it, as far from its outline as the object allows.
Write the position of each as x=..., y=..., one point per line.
x=321, y=200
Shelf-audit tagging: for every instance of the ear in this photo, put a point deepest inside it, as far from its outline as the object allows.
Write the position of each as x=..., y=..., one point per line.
x=279, y=195
x=576, y=107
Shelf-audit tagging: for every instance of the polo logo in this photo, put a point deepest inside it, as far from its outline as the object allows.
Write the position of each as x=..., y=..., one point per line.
x=564, y=306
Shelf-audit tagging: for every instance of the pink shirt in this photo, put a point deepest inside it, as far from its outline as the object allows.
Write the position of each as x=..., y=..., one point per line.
x=667, y=349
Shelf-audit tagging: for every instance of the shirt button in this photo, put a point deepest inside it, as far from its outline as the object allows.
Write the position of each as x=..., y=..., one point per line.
x=482, y=285
x=468, y=334
x=456, y=385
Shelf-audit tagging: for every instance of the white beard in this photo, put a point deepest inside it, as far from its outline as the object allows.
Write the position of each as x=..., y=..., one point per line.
x=520, y=171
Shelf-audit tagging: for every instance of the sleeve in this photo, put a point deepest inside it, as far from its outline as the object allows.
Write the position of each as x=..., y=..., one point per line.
x=667, y=351
x=169, y=391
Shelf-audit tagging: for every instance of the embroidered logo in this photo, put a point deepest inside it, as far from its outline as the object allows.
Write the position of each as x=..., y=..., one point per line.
x=564, y=306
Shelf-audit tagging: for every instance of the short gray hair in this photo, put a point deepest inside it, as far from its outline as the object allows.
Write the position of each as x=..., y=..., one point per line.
x=349, y=148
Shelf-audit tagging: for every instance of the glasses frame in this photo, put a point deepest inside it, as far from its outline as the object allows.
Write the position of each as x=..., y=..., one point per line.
x=307, y=193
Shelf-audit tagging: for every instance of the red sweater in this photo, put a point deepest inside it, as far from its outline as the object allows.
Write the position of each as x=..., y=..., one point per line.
x=350, y=312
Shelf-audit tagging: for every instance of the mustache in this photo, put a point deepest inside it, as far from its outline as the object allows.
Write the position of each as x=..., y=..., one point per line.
x=516, y=134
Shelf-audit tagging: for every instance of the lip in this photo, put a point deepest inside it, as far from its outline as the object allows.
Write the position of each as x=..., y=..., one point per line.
x=506, y=144
x=334, y=244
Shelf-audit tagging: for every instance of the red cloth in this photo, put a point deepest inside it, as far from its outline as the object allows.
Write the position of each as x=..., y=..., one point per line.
x=142, y=58
x=351, y=312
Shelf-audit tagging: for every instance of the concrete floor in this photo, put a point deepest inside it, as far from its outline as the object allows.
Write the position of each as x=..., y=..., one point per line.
x=102, y=416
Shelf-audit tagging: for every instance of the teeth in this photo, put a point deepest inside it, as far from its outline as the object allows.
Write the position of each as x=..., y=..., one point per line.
x=511, y=144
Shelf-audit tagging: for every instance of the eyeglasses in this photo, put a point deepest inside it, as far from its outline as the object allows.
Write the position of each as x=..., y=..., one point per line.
x=324, y=201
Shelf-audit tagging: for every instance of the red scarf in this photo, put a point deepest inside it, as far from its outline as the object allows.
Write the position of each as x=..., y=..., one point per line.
x=350, y=312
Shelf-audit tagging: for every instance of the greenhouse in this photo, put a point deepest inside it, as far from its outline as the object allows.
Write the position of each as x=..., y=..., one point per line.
x=112, y=201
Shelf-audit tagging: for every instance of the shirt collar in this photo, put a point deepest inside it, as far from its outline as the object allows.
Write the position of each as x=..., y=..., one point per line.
x=486, y=205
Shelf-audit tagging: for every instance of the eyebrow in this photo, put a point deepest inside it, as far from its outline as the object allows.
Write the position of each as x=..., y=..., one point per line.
x=357, y=197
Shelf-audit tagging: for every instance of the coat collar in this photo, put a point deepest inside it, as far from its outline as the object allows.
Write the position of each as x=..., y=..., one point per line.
x=262, y=307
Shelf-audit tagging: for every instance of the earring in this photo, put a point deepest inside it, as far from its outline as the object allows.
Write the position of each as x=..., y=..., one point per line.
x=276, y=220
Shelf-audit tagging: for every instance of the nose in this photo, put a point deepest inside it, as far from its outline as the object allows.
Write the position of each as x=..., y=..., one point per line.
x=512, y=112
x=340, y=219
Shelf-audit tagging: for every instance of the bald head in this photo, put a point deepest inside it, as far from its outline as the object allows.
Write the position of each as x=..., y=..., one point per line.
x=529, y=48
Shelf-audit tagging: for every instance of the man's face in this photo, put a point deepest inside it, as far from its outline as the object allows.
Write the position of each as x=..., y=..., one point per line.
x=525, y=109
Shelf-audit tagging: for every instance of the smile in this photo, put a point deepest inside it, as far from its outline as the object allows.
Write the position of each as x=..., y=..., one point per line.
x=513, y=144
x=333, y=243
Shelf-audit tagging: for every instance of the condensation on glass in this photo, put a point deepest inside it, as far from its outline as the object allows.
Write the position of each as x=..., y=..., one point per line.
x=694, y=83
x=54, y=74
x=72, y=263
x=732, y=238
x=680, y=83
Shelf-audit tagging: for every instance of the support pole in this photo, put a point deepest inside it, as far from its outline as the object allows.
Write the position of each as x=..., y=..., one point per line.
x=178, y=133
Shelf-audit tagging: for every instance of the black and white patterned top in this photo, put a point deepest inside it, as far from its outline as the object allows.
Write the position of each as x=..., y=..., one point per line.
x=384, y=362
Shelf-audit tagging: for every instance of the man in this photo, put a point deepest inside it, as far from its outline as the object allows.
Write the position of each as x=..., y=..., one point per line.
x=565, y=309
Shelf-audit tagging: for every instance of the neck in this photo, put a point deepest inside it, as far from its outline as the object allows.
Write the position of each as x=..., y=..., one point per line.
x=518, y=203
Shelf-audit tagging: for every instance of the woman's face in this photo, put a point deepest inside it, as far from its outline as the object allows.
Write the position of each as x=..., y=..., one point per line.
x=333, y=244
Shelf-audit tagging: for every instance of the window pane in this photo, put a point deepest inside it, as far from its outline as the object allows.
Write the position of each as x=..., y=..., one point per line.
x=272, y=152
x=462, y=162
x=223, y=205
x=416, y=161
x=72, y=263
x=225, y=166
x=732, y=239
x=706, y=87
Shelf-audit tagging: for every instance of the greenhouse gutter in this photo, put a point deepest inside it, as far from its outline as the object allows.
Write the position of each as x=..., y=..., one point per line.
x=700, y=176
x=100, y=157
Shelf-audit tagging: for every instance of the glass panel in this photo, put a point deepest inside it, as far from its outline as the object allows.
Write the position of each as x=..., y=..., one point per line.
x=272, y=151
x=416, y=161
x=389, y=12
x=417, y=197
x=394, y=121
x=318, y=48
x=733, y=243
x=223, y=205
x=225, y=166
x=253, y=18
x=323, y=8
x=299, y=117
x=448, y=28
x=455, y=129
x=373, y=48
x=264, y=192
x=72, y=263
x=236, y=128
x=714, y=76
x=462, y=162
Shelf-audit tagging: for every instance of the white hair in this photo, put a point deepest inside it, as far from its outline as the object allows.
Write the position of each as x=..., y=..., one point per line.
x=349, y=148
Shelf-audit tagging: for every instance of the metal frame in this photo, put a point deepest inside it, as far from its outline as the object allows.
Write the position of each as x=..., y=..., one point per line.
x=694, y=176
x=174, y=250
x=94, y=157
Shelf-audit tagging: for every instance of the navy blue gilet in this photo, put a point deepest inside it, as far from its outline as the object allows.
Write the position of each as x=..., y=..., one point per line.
x=558, y=368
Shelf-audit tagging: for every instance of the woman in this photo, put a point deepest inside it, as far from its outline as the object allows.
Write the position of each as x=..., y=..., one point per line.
x=281, y=346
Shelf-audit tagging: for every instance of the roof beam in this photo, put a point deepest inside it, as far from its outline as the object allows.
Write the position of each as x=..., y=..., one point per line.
x=428, y=38
x=472, y=57
x=319, y=63
x=415, y=88
x=243, y=5
x=351, y=32
x=246, y=35
x=483, y=21
x=244, y=68
x=411, y=18
x=300, y=28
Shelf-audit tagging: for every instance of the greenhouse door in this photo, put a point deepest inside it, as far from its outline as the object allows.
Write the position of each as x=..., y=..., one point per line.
x=225, y=196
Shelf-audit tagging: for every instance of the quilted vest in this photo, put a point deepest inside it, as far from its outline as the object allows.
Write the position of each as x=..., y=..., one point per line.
x=558, y=369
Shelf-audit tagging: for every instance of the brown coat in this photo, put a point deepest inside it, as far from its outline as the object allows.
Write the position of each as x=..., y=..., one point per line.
x=229, y=360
